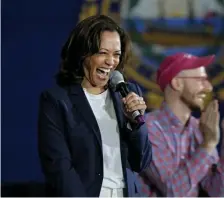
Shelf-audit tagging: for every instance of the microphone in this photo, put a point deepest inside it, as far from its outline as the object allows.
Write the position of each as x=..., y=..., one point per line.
x=118, y=84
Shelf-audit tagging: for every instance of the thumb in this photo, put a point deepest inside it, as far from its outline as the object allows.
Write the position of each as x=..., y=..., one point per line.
x=124, y=100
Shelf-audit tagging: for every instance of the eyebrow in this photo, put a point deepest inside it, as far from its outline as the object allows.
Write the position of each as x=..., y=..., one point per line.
x=109, y=50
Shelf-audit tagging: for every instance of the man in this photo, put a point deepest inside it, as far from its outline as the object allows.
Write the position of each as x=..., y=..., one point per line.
x=185, y=158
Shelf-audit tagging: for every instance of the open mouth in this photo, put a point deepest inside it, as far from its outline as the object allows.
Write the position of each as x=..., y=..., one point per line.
x=103, y=72
x=202, y=96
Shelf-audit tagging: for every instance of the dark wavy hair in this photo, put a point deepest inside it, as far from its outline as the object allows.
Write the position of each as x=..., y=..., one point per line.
x=84, y=41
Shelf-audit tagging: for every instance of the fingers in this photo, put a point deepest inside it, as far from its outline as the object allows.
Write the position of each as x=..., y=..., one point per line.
x=216, y=112
x=133, y=102
x=216, y=105
x=211, y=116
x=214, y=119
x=209, y=107
x=212, y=106
x=213, y=113
x=205, y=115
x=131, y=97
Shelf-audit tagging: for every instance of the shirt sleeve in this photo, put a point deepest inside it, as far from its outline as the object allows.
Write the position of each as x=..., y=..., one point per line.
x=170, y=178
x=213, y=183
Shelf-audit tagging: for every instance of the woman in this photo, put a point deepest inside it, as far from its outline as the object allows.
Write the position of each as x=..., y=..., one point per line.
x=86, y=145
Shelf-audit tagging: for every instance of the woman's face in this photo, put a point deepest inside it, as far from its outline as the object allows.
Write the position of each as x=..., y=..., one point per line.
x=97, y=67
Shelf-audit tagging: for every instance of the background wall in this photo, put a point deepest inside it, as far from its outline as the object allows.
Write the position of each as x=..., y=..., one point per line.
x=32, y=35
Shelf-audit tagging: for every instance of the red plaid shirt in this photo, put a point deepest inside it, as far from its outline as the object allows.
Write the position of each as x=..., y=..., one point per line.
x=178, y=164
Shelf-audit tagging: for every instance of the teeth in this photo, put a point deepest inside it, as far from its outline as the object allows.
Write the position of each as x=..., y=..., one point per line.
x=202, y=96
x=104, y=70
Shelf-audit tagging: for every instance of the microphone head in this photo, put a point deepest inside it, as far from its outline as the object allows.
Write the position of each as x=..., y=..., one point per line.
x=115, y=78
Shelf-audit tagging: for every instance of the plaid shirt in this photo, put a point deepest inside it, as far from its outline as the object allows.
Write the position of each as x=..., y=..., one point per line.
x=178, y=164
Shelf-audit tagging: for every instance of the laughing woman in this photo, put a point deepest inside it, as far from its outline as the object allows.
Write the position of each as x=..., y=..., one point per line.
x=88, y=144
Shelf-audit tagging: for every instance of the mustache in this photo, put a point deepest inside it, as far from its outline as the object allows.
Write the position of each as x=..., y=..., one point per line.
x=202, y=95
x=214, y=95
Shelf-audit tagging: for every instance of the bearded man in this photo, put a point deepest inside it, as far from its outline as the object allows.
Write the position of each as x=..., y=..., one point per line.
x=184, y=152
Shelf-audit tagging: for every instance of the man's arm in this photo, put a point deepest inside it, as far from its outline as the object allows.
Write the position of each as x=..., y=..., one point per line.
x=172, y=179
x=213, y=183
x=53, y=150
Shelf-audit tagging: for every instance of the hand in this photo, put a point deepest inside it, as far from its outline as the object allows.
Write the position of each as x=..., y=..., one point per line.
x=209, y=125
x=133, y=102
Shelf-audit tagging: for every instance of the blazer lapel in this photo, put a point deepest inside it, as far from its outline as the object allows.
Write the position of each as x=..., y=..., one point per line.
x=81, y=104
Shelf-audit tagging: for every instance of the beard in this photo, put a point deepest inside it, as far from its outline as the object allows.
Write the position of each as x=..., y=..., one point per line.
x=191, y=103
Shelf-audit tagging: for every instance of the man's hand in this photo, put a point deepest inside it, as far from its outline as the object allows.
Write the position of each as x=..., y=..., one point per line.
x=133, y=102
x=209, y=126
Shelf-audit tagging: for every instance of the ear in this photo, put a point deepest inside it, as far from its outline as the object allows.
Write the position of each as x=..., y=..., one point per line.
x=177, y=84
x=86, y=62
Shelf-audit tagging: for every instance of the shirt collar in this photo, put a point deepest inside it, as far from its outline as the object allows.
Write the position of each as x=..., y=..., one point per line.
x=172, y=118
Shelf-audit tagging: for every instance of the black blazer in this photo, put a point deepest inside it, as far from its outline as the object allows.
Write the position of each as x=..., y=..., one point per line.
x=70, y=146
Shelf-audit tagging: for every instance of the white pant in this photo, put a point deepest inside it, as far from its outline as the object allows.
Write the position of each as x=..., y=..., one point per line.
x=111, y=192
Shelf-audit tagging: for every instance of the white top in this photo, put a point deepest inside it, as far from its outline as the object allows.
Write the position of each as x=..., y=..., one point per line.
x=103, y=109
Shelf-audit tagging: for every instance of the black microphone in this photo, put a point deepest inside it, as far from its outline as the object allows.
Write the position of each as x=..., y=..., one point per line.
x=118, y=84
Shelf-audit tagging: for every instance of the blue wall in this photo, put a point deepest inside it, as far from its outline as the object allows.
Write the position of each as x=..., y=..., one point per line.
x=33, y=32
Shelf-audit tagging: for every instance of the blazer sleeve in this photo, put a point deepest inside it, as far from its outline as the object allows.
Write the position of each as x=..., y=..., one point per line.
x=139, y=146
x=53, y=150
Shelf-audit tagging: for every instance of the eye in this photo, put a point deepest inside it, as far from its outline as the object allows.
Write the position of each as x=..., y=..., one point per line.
x=117, y=55
x=204, y=78
x=102, y=53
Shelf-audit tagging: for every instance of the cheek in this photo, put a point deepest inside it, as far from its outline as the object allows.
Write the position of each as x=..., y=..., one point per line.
x=199, y=90
x=195, y=88
x=96, y=62
x=89, y=70
x=190, y=93
x=117, y=61
x=93, y=65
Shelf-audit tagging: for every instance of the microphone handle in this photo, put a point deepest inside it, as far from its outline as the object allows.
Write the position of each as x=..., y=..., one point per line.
x=136, y=115
x=123, y=89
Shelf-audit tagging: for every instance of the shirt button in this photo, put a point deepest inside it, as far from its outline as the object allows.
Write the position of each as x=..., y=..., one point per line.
x=99, y=174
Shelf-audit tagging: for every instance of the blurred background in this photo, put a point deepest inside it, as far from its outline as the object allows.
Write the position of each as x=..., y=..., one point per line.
x=33, y=33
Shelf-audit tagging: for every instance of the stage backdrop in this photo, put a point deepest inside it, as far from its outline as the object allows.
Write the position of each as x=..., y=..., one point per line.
x=33, y=33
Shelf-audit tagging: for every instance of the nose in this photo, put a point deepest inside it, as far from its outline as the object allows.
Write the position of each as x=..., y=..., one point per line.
x=208, y=86
x=110, y=60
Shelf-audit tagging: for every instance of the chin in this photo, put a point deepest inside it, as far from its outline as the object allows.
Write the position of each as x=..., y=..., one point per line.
x=192, y=103
x=197, y=106
x=100, y=84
